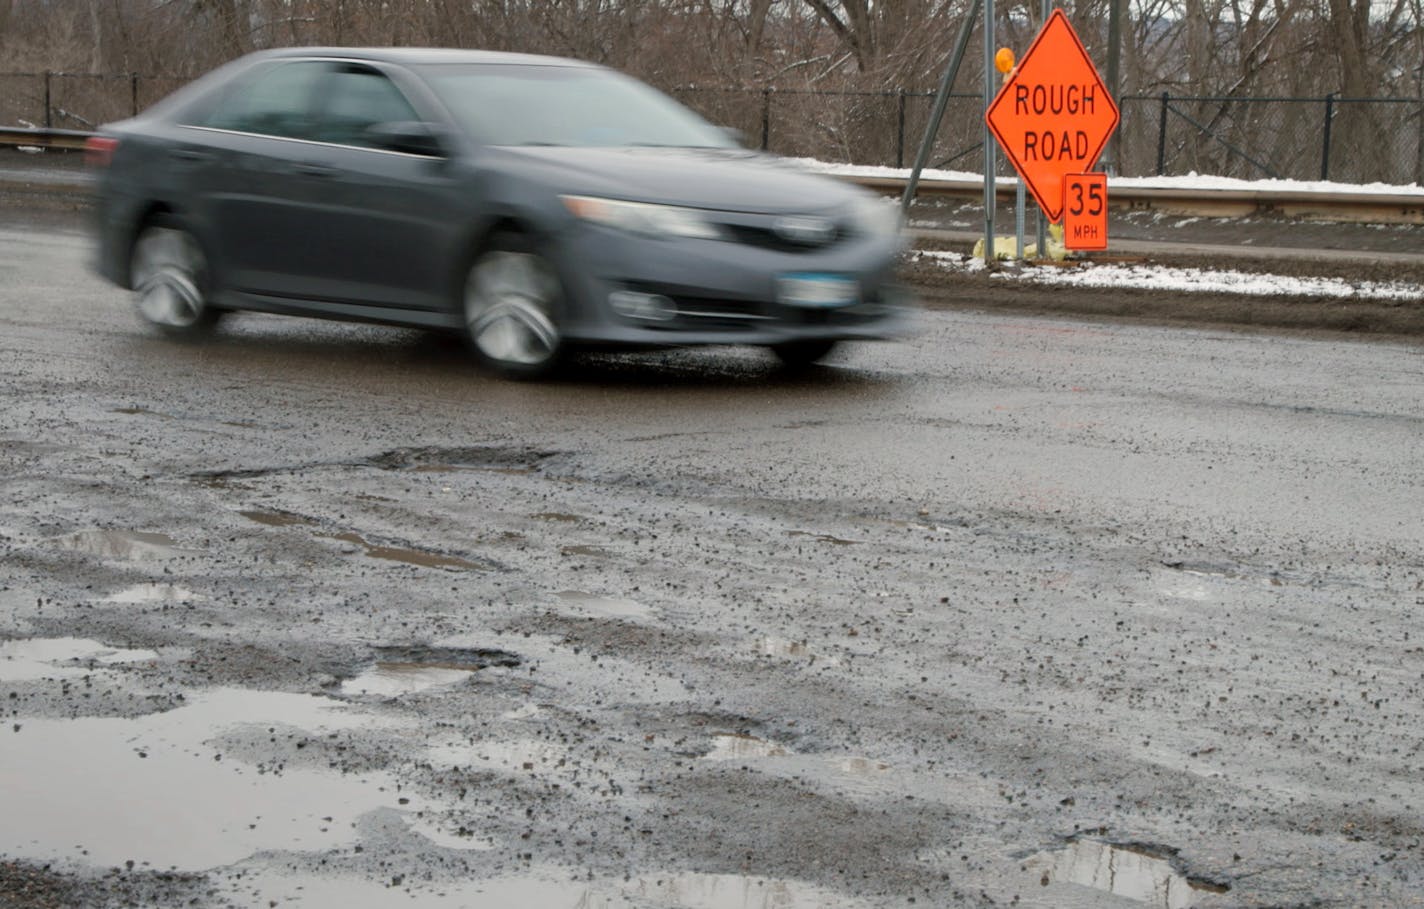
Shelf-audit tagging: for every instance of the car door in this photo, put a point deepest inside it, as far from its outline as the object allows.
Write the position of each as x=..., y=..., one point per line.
x=383, y=222
x=247, y=189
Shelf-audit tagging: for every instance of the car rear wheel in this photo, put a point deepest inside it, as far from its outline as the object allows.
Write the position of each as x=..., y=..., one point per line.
x=512, y=299
x=802, y=353
x=171, y=279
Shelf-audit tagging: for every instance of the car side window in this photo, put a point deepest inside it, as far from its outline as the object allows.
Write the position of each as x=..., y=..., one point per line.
x=274, y=102
x=356, y=99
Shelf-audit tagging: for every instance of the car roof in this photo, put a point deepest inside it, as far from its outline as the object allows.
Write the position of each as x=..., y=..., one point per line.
x=423, y=55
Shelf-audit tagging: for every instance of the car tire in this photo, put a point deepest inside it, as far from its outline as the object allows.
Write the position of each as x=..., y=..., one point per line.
x=171, y=279
x=511, y=306
x=800, y=354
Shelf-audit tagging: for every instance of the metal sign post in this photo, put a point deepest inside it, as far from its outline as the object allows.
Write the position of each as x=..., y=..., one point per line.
x=989, y=146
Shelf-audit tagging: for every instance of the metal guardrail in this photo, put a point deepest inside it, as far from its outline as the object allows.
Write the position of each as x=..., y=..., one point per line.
x=70, y=139
x=1369, y=208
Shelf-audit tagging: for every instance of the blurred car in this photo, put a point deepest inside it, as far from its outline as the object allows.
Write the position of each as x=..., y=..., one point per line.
x=532, y=203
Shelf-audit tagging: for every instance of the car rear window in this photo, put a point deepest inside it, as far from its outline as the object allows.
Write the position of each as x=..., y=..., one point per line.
x=275, y=101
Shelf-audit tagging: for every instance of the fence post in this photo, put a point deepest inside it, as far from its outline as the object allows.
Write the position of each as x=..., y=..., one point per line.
x=1325, y=148
x=133, y=93
x=1162, y=137
x=765, y=118
x=48, y=121
x=900, y=131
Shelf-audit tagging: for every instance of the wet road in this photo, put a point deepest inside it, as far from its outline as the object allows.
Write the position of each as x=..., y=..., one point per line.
x=1023, y=611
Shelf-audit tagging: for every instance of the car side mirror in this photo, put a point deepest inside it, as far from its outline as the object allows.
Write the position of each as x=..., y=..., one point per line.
x=738, y=137
x=412, y=137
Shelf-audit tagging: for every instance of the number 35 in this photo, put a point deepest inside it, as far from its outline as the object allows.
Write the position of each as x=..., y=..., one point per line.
x=1094, y=199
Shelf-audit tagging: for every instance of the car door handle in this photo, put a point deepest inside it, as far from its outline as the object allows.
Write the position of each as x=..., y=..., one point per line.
x=313, y=170
x=191, y=154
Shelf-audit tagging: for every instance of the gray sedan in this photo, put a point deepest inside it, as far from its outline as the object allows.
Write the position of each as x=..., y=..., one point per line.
x=534, y=204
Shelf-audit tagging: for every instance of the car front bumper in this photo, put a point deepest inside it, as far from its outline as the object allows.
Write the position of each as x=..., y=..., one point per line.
x=723, y=292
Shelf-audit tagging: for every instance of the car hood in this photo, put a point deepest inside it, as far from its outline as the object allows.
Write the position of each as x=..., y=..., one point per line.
x=721, y=179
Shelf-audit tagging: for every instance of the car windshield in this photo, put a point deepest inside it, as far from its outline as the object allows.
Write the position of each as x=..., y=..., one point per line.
x=508, y=104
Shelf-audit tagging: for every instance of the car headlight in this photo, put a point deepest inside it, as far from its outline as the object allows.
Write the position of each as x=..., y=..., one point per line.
x=643, y=217
x=877, y=217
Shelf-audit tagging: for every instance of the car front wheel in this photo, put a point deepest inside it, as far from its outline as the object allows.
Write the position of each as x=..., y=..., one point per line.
x=512, y=300
x=171, y=279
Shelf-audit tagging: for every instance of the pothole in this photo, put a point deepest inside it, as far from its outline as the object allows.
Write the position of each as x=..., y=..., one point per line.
x=391, y=680
x=441, y=460
x=466, y=658
x=407, y=670
x=605, y=607
x=419, y=557
x=1141, y=872
x=541, y=886
x=157, y=792
x=143, y=594
x=821, y=537
x=58, y=658
x=133, y=545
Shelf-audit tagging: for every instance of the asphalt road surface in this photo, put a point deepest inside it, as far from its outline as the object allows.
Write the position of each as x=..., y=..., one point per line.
x=1021, y=612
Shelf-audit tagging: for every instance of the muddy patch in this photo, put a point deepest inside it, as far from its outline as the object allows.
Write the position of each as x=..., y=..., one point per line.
x=1145, y=873
x=277, y=518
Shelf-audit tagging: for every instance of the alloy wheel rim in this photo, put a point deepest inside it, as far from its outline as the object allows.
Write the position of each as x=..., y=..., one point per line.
x=167, y=266
x=508, y=299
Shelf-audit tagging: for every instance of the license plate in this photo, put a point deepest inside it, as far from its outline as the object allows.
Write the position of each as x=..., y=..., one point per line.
x=817, y=290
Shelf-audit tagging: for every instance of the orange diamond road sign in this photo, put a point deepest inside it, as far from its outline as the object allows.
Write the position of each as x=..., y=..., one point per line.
x=1054, y=115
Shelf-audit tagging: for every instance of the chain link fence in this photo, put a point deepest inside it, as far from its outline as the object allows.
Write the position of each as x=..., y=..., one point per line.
x=1349, y=140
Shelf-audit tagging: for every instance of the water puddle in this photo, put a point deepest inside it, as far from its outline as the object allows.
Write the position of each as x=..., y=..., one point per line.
x=143, y=594
x=134, y=545
x=546, y=888
x=152, y=790
x=419, y=557
x=391, y=680
x=407, y=670
x=61, y=658
x=727, y=746
x=605, y=607
x=277, y=518
x=1146, y=874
